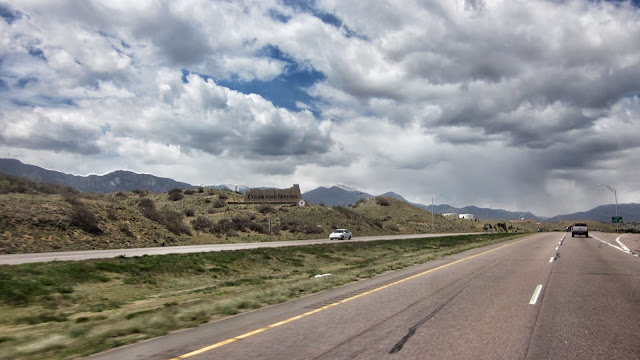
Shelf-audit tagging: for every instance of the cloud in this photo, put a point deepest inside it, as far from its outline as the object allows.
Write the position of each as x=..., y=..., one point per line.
x=511, y=103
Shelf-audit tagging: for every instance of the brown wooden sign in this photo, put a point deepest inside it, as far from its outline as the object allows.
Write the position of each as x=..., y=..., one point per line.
x=291, y=195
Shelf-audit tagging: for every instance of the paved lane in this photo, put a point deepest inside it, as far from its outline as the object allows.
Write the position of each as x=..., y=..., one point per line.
x=481, y=304
x=591, y=309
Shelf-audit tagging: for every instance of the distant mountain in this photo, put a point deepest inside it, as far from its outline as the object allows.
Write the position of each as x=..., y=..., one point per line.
x=482, y=213
x=334, y=196
x=629, y=213
x=112, y=182
x=339, y=195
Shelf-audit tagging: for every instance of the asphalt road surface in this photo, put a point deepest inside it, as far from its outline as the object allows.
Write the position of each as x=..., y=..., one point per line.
x=15, y=259
x=545, y=296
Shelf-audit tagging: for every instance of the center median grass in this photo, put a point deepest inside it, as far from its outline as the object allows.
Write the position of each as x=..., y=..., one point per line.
x=68, y=309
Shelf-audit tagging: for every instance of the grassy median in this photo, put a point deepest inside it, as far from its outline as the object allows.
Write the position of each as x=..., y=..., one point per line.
x=68, y=309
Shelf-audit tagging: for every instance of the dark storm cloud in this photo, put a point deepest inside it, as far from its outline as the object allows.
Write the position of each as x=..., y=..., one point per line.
x=9, y=15
x=179, y=39
x=44, y=134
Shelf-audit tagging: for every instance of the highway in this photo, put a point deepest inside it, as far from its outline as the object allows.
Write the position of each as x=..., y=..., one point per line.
x=545, y=296
x=15, y=259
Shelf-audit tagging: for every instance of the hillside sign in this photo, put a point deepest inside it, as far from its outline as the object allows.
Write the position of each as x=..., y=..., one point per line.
x=275, y=196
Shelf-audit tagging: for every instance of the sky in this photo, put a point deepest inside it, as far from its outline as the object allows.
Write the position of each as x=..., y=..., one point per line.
x=523, y=105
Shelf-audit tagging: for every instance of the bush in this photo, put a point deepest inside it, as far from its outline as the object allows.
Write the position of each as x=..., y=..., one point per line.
x=189, y=192
x=393, y=227
x=84, y=219
x=124, y=227
x=148, y=209
x=173, y=222
x=296, y=226
x=140, y=192
x=71, y=196
x=219, y=203
x=203, y=224
x=383, y=201
x=189, y=212
x=265, y=209
x=175, y=195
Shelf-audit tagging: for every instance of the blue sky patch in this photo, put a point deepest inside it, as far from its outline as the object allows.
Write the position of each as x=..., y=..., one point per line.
x=284, y=90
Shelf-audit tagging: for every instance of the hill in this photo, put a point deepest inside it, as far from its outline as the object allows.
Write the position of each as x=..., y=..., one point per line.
x=112, y=182
x=630, y=213
x=36, y=217
x=334, y=196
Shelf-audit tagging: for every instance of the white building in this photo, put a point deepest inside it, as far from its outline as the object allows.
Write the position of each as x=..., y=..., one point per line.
x=467, y=216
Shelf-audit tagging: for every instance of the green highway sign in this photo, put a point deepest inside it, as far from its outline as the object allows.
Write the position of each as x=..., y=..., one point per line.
x=616, y=219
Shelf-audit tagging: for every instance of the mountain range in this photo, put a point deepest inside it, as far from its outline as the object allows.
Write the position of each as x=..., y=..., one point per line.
x=339, y=195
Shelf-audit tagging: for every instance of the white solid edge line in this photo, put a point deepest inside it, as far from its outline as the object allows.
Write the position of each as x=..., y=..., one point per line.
x=536, y=293
x=613, y=246
x=621, y=244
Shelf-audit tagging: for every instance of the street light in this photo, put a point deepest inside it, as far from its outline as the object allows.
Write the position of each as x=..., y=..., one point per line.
x=488, y=211
x=433, y=228
x=615, y=195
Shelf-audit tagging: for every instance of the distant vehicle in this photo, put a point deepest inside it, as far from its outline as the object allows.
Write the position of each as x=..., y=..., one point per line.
x=568, y=228
x=579, y=229
x=340, y=234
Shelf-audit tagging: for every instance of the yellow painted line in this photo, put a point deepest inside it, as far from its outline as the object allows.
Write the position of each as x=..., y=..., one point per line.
x=254, y=332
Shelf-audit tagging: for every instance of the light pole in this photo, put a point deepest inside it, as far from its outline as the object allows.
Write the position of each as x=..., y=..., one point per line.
x=488, y=211
x=615, y=195
x=433, y=227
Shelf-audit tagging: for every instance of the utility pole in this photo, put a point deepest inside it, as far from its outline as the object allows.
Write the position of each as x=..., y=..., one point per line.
x=615, y=195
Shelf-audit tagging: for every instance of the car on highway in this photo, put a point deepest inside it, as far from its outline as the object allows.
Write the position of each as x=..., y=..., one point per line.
x=340, y=234
x=579, y=229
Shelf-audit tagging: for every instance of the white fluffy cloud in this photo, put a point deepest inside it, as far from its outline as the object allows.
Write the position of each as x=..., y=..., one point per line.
x=510, y=103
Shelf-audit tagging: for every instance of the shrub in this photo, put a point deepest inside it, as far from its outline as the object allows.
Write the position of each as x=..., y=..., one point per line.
x=148, y=209
x=201, y=223
x=393, y=227
x=71, y=196
x=173, y=222
x=265, y=209
x=189, y=212
x=223, y=196
x=219, y=203
x=84, y=219
x=175, y=195
x=189, y=192
x=124, y=227
x=296, y=226
x=383, y=201
x=140, y=192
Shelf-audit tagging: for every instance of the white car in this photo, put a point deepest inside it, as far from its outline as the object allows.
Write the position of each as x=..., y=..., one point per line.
x=340, y=234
